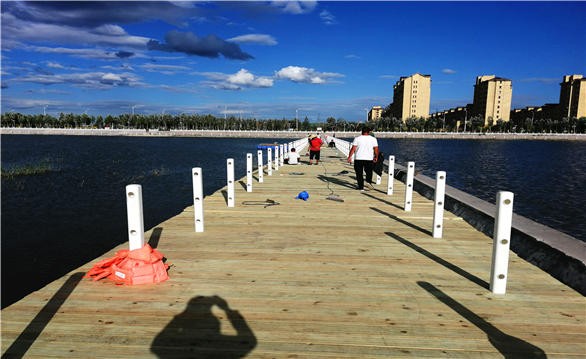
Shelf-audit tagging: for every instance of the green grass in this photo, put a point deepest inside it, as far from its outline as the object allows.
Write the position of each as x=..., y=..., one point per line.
x=26, y=170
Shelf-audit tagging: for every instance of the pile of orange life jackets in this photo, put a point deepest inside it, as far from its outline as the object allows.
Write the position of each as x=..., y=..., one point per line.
x=138, y=266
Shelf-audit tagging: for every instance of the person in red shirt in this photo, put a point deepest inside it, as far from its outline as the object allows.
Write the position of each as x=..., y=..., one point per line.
x=315, y=144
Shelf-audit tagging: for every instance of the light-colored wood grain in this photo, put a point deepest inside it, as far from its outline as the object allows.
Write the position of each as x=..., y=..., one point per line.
x=316, y=279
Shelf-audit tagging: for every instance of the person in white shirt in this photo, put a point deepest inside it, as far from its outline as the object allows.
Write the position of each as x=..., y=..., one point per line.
x=365, y=151
x=293, y=157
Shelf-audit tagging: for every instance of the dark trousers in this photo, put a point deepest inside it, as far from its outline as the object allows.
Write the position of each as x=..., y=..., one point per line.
x=366, y=167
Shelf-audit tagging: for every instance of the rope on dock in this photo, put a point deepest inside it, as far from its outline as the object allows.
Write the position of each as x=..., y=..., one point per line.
x=332, y=196
x=266, y=203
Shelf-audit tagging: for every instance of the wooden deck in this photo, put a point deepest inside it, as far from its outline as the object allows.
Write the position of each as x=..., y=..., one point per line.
x=318, y=279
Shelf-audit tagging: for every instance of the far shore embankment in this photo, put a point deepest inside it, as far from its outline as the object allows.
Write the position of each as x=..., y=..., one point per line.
x=289, y=134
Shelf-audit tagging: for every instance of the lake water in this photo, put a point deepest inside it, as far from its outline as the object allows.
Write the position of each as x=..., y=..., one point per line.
x=74, y=210
x=547, y=177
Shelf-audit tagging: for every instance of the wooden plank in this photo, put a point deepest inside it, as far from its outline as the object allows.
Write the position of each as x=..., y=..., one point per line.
x=319, y=279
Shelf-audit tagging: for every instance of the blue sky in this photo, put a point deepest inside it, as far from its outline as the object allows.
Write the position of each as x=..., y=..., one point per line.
x=275, y=59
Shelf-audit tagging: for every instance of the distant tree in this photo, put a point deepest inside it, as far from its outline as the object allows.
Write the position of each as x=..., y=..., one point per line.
x=581, y=125
x=499, y=126
x=432, y=124
x=476, y=123
x=411, y=124
x=489, y=123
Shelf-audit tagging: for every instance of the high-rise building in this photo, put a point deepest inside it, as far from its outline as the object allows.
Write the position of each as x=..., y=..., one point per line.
x=411, y=97
x=375, y=113
x=492, y=98
x=573, y=96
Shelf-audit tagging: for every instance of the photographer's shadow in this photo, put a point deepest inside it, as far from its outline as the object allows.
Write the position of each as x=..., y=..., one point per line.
x=196, y=333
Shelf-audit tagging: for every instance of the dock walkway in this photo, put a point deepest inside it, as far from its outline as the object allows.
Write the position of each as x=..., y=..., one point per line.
x=360, y=278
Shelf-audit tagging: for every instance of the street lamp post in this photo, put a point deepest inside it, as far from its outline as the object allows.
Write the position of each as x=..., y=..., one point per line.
x=132, y=118
x=45, y=113
x=465, y=118
x=296, y=119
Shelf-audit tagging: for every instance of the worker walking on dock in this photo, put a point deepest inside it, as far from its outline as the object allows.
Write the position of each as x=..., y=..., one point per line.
x=365, y=150
x=315, y=144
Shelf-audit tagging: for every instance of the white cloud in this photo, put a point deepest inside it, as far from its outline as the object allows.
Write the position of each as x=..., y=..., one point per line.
x=295, y=7
x=83, y=53
x=25, y=103
x=111, y=78
x=110, y=30
x=448, y=71
x=305, y=75
x=20, y=31
x=126, y=67
x=95, y=80
x=164, y=69
x=259, y=39
x=54, y=65
x=237, y=81
x=327, y=18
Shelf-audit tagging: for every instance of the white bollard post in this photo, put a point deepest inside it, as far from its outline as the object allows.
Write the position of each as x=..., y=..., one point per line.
x=438, y=207
x=391, y=175
x=249, y=172
x=270, y=161
x=135, y=216
x=276, y=158
x=282, y=151
x=261, y=171
x=503, y=222
x=378, y=179
x=230, y=173
x=197, y=198
x=409, y=186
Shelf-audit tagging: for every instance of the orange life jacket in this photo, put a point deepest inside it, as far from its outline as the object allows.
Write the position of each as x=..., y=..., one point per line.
x=139, y=266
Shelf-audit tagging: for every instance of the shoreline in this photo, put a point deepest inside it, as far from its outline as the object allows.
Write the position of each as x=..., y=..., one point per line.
x=288, y=134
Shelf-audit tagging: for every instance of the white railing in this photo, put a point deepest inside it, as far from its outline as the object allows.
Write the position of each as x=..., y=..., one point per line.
x=341, y=145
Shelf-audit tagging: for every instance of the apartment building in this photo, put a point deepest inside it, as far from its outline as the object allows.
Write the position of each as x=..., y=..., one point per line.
x=492, y=98
x=549, y=110
x=454, y=116
x=411, y=97
x=375, y=113
x=573, y=96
